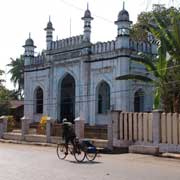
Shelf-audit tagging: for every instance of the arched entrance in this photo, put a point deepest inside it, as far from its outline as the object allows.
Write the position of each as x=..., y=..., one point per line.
x=67, y=99
x=38, y=100
x=103, y=95
x=139, y=101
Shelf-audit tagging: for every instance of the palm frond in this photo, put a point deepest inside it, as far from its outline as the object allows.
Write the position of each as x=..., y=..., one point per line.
x=147, y=61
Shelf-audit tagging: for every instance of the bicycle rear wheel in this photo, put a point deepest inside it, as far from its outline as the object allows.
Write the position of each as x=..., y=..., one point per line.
x=79, y=155
x=91, y=156
x=61, y=149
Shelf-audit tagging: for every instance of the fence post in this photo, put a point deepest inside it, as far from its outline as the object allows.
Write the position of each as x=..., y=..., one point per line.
x=110, y=131
x=24, y=126
x=112, y=128
x=48, y=129
x=156, y=125
x=79, y=127
x=3, y=125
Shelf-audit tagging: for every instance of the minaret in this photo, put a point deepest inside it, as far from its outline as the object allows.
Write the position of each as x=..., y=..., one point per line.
x=49, y=33
x=87, y=24
x=29, y=50
x=123, y=23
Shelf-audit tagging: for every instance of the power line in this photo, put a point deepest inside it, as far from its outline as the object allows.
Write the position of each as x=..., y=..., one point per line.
x=80, y=9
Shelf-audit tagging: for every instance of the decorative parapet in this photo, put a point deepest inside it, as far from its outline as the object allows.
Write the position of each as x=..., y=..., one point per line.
x=64, y=43
x=140, y=46
x=40, y=59
x=102, y=47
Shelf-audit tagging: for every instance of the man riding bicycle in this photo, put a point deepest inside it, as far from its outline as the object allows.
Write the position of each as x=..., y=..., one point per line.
x=68, y=134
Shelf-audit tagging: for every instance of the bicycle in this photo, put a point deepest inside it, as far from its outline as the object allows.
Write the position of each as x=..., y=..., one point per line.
x=90, y=150
x=79, y=151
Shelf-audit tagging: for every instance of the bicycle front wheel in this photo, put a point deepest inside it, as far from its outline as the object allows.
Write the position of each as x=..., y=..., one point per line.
x=61, y=151
x=79, y=155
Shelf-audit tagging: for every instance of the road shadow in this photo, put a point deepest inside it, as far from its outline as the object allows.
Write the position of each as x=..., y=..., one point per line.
x=85, y=162
x=122, y=150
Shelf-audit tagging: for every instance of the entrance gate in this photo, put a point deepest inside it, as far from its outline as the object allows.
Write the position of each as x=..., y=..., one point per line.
x=67, y=99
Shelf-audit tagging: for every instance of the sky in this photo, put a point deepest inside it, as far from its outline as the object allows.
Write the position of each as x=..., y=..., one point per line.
x=19, y=17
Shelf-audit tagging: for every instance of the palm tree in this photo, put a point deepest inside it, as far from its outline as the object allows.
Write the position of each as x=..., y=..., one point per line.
x=1, y=80
x=171, y=37
x=17, y=74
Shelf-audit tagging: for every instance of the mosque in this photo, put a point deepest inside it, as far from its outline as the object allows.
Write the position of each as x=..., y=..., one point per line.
x=74, y=77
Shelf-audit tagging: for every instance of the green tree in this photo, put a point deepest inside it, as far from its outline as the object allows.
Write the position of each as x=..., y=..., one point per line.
x=4, y=101
x=17, y=74
x=1, y=80
x=4, y=97
x=138, y=32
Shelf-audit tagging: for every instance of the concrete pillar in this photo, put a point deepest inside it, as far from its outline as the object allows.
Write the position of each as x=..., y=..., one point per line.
x=79, y=127
x=110, y=130
x=3, y=125
x=24, y=126
x=156, y=125
x=48, y=129
x=1, y=128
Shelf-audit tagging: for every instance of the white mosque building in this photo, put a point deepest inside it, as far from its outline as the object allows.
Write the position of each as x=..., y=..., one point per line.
x=74, y=76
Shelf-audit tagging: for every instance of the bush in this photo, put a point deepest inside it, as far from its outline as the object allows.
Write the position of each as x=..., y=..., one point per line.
x=10, y=123
x=42, y=125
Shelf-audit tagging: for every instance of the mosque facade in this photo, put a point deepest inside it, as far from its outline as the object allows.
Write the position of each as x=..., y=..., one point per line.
x=73, y=77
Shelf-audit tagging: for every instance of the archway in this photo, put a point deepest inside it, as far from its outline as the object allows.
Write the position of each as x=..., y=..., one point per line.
x=67, y=99
x=139, y=101
x=103, y=95
x=38, y=100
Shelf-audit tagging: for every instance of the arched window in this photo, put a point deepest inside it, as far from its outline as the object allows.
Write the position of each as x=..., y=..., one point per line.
x=39, y=100
x=133, y=45
x=137, y=46
x=139, y=101
x=103, y=98
x=142, y=47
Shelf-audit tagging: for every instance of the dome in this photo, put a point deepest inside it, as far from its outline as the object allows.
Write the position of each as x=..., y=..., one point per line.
x=29, y=42
x=123, y=15
x=87, y=14
x=49, y=26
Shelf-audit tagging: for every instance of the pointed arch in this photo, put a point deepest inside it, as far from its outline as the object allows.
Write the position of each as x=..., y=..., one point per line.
x=38, y=100
x=103, y=97
x=139, y=101
x=66, y=105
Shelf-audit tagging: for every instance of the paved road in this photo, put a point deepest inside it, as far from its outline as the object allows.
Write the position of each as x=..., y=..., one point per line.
x=24, y=162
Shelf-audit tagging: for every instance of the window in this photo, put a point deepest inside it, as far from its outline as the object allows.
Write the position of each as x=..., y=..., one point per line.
x=139, y=101
x=123, y=31
x=39, y=100
x=103, y=98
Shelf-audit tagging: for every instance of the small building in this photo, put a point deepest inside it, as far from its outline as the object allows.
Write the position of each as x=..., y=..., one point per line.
x=74, y=76
x=17, y=110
